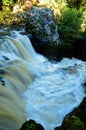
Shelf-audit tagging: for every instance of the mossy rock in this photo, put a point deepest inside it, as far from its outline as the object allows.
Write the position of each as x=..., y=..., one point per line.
x=31, y=125
x=76, y=120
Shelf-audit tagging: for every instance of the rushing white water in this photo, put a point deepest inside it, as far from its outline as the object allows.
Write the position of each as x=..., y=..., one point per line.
x=56, y=91
x=53, y=89
x=15, y=77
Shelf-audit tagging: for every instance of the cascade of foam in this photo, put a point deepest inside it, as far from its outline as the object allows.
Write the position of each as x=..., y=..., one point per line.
x=17, y=45
x=57, y=90
x=11, y=110
x=54, y=89
x=15, y=51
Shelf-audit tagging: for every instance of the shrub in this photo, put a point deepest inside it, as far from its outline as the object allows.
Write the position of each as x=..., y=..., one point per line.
x=69, y=25
x=8, y=2
x=76, y=3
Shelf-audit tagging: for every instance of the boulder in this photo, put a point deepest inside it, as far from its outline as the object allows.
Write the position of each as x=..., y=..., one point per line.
x=31, y=125
x=41, y=24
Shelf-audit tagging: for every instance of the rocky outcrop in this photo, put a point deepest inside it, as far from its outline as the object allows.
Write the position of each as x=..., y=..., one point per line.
x=76, y=120
x=31, y=125
x=41, y=24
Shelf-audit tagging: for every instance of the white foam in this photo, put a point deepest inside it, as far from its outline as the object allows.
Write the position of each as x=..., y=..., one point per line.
x=56, y=91
x=57, y=88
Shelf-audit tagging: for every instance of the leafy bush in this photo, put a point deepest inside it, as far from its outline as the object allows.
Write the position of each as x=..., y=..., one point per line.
x=69, y=25
x=8, y=2
x=76, y=3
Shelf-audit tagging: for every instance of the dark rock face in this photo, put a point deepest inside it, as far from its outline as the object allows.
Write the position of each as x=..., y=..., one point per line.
x=2, y=82
x=31, y=125
x=41, y=24
x=79, y=49
x=76, y=120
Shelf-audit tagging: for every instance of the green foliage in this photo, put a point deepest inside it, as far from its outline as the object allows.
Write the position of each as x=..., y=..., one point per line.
x=6, y=17
x=77, y=123
x=31, y=125
x=69, y=25
x=76, y=3
x=8, y=2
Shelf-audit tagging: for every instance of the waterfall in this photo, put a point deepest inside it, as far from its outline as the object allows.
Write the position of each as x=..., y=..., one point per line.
x=15, y=77
x=31, y=87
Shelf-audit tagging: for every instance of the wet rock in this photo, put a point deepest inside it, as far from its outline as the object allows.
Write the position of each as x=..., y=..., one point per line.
x=76, y=120
x=6, y=58
x=31, y=125
x=84, y=85
x=2, y=82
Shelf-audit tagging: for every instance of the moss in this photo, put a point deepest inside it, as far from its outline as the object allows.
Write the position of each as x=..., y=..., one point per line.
x=31, y=125
x=76, y=120
x=77, y=123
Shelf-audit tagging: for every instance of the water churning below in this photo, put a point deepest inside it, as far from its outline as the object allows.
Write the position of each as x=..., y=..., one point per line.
x=56, y=91
x=31, y=87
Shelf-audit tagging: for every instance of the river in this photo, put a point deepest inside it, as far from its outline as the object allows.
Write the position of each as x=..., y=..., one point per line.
x=32, y=87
